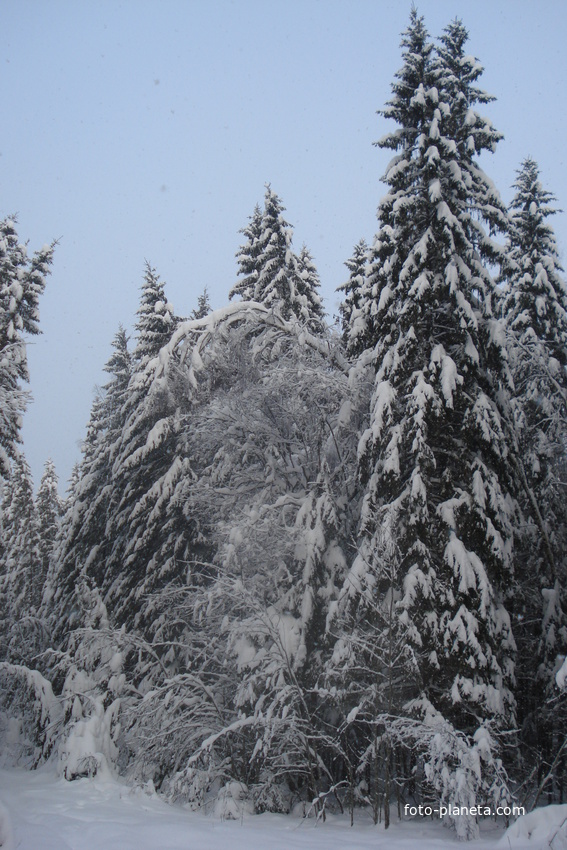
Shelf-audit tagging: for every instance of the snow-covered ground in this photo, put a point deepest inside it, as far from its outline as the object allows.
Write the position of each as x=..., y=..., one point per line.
x=39, y=811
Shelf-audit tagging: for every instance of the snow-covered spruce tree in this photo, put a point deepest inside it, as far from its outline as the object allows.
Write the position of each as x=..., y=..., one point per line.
x=22, y=281
x=248, y=258
x=534, y=308
x=83, y=544
x=30, y=715
x=93, y=685
x=364, y=324
x=58, y=606
x=434, y=458
x=150, y=536
x=471, y=134
x=48, y=509
x=156, y=319
x=456, y=74
x=353, y=294
x=310, y=307
x=273, y=274
x=21, y=577
x=203, y=306
x=118, y=542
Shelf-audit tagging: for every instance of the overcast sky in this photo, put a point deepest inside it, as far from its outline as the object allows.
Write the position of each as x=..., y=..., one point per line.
x=146, y=130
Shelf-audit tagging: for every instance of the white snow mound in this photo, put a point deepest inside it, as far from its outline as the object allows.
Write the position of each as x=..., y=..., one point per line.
x=539, y=830
x=6, y=833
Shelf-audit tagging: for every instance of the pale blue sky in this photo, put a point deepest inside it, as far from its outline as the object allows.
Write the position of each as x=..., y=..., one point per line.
x=146, y=129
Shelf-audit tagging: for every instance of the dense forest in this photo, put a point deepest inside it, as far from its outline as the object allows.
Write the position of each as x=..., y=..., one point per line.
x=312, y=564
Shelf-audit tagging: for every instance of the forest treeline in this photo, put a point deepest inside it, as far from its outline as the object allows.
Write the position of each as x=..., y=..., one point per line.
x=303, y=564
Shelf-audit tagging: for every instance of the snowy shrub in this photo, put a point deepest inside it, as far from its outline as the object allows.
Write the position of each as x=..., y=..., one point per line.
x=92, y=695
x=545, y=828
x=89, y=747
x=173, y=725
x=199, y=784
x=269, y=795
x=461, y=771
x=233, y=802
x=29, y=713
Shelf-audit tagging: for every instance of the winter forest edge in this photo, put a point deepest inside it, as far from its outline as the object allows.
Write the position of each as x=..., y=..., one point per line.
x=311, y=565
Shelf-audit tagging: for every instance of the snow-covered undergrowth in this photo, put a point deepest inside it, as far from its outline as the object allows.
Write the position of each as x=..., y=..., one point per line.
x=545, y=828
x=39, y=811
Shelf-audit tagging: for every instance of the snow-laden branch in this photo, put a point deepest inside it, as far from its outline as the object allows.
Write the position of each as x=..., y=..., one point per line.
x=192, y=337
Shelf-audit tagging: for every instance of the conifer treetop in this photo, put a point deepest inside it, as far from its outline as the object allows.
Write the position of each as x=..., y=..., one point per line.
x=535, y=305
x=352, y=322
x=247, y=257
x=272, y=274
x=156, y=320
x=203, y=306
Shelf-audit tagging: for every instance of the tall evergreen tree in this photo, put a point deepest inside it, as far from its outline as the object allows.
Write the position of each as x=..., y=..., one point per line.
x=276, y=284
x=434, y=458
x=20, y=565
x=145, y=553
x=49, y=509
x=22, y=281
x=310, y=306
x=353, y=297
x=535, y=312
x=534, y=307
x=156, y=319
x=84, y=544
